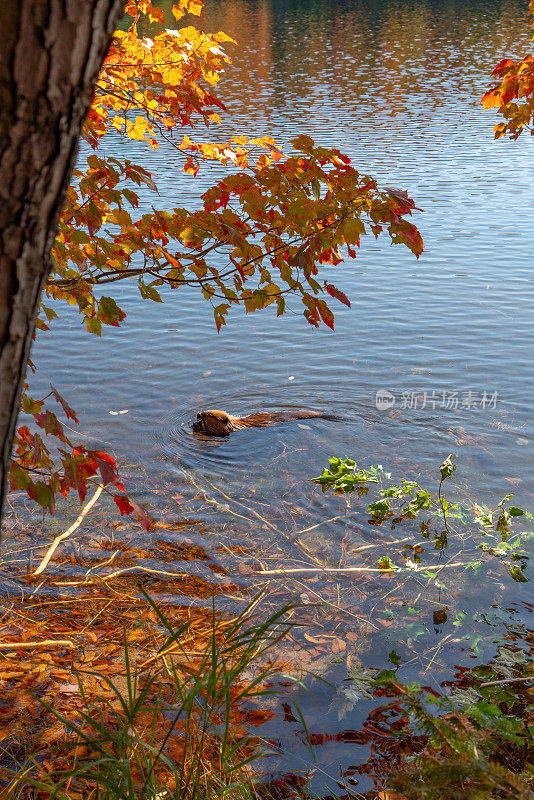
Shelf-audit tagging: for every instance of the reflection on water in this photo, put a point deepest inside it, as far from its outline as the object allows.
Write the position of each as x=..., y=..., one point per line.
x=397, y=86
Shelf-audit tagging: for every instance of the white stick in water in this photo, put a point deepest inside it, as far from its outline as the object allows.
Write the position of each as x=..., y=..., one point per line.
x=57, y=541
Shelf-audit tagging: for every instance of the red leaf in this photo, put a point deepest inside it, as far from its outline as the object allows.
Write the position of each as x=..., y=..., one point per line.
x=504, y=64
x=326, y=315
x=124, y=505
x=24, y=433
x=337, y=293
x=511, y=91
x=106, y=465
x=66, y=408
x=77, y=469
x=144, y=518
x=104, y=456
x=401, y=198
x=50, y=424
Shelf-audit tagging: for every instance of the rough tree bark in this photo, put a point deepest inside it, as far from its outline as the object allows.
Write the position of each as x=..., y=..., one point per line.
x=51, y=52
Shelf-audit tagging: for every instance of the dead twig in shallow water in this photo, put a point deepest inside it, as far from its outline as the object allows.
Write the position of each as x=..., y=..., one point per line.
x=377, y=544
x=337, y=607
x=57, y=541
x=43, y=643
x=323, y=522
x=507, y=680
x=249, y=510
x=265, y=521
x=119, y=572
x=356, y=569
x=436, y=649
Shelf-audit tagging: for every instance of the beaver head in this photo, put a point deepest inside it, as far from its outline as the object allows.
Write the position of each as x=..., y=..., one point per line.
x=214, y=423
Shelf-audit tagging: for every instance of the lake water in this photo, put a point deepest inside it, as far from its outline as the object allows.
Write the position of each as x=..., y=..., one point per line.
x=397, y=86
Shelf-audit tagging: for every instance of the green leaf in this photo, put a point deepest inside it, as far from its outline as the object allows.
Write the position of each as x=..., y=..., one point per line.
x=447, y=468
x=148, y=292
x=380, y=509
x=505, y=499
x=109, y=312
x=42, y=494
x=517, y=574
x=514, y=511
x=50, y=313
x=386, y=564
x=93, y=325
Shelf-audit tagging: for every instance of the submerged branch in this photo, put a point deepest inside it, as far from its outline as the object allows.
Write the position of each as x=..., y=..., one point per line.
x=356, y=569
x=57, y=541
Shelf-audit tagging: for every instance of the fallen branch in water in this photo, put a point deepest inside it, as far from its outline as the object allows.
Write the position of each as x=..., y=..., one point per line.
x=377, y=544
x=43, y=643
x=57, y=541
x=507, y=680
x=124, y=571
x=355, y=569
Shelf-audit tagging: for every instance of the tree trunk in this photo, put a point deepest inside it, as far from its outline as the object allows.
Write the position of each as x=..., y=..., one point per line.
x=51, y=52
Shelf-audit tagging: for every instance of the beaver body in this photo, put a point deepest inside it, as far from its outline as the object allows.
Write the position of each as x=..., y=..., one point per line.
x=219, y=423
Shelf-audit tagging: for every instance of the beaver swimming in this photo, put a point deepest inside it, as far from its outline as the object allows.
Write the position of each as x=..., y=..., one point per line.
x=219, y=423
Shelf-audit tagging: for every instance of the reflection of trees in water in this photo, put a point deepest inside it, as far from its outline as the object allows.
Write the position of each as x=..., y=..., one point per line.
x=363, y=57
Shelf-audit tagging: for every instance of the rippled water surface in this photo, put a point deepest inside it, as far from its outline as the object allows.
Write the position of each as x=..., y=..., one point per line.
x=397, y=86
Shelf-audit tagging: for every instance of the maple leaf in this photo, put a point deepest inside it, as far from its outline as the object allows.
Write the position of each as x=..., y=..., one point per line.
x=50, y=424
x=126, y=506
x=337, y=293
x=326, y=314
x=406, y=203
x=66, y=408
x=42, y=493
x=502, y=66
x=109, y=312
x=106, y=465
x=123, y=504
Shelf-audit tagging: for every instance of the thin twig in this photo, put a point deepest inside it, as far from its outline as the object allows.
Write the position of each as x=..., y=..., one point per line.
x=355, y=569
x=507, y=680
x=57, y=541
x=338, y=607
x=377, y=544
x=323, y=522
x=119, y=572
x=29, y=645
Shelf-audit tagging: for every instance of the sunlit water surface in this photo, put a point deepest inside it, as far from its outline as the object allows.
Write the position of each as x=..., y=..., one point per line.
x=397, y=86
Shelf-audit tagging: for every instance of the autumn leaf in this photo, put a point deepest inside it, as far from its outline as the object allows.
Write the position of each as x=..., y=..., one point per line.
x=126, y=506
x=326, y=314
x=42, y=493
x=337, y=293
x=106, y=465
x=50, y=424
x=109, y=312
x=66, y=408
x=123, y=504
